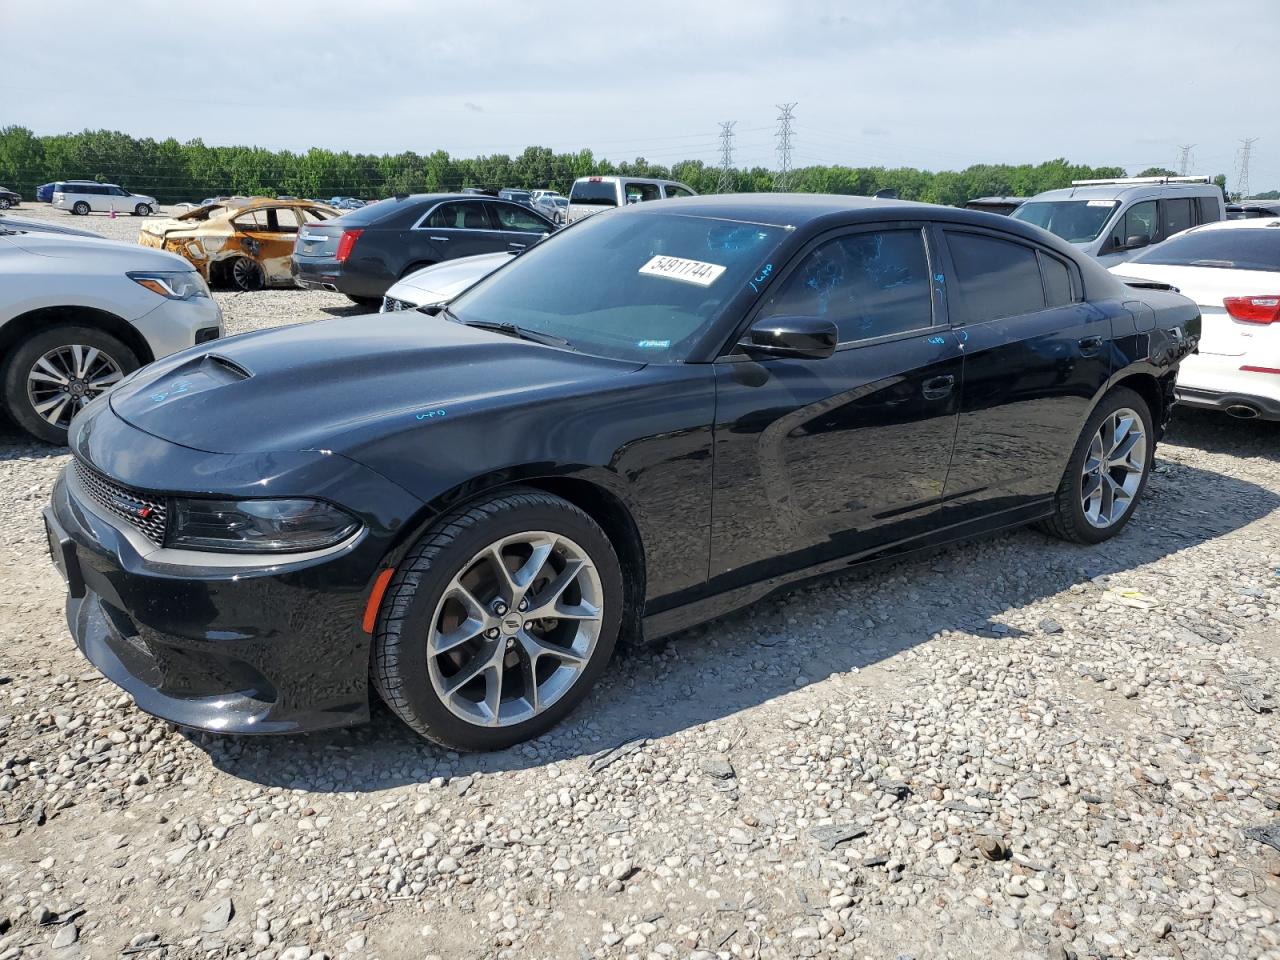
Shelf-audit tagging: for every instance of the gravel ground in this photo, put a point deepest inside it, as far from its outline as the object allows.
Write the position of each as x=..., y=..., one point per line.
x=1012, y=748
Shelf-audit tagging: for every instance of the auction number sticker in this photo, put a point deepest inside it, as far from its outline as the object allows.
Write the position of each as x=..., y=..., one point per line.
x=1102, y=203
x=678, y=268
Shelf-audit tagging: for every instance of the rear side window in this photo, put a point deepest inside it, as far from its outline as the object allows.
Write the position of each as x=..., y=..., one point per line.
x=459, y=216
x=595, y=193
x=1242, y=248
x=1057, y=281
x=996, y=278
x=870, y=284
x=1209, y=210
x=639, y=192
x=1177, y=215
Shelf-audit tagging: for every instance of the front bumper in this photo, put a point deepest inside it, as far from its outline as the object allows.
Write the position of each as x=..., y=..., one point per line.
x=178, y=324
x=214, y=641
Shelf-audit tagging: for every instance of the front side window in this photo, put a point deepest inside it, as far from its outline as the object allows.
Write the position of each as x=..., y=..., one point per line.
x=311, y=215
x=1177, y=215
x=870, y=284
x=286, y=221
x=643, y=288
x=995, y=278
x=674, y=191
x=517, y=219
x=1138, y=226
x=1076, y=221
x=459, y=216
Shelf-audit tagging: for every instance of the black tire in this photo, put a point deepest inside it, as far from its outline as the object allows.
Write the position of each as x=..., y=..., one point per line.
x=5, y=203
x=364, y=301
x=246, y=274
x=1068, y=520
x=400, y=663
x=80, y=209
x=23, y=359
x=142, y=210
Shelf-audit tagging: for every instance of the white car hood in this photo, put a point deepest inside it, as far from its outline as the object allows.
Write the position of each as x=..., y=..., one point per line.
x=103, y=251
x=444, y=281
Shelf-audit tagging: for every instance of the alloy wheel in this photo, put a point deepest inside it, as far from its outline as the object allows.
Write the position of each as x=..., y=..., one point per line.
x=246, y=274
x=515, y=629
x=1113, y=468
x=66, y=378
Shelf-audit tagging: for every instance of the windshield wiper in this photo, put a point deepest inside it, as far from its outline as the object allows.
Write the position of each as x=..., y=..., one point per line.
x=510, y=330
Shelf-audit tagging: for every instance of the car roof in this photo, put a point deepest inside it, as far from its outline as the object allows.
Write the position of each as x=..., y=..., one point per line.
x=1120, y=191
x=614, y=178
x=1257, y=223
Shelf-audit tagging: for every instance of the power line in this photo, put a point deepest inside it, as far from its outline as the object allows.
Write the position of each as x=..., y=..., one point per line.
x=783, y=182
x=725, y=183
x=1246, y=148
x=1184, y=159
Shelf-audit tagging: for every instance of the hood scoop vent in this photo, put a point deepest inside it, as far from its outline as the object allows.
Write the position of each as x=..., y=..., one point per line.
x=222, y=363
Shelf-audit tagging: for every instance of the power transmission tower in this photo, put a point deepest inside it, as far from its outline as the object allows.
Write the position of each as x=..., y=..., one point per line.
x=1184, y=161
x=1246, y=147
x=782, y=183
x=725, y=183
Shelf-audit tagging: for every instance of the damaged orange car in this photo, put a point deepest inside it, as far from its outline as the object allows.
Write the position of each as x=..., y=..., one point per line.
x=241, y=244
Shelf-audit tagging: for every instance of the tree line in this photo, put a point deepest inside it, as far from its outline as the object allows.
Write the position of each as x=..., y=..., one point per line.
x=173, y=172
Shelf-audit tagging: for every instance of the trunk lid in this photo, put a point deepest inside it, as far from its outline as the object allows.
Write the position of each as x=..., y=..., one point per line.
x=318, y=240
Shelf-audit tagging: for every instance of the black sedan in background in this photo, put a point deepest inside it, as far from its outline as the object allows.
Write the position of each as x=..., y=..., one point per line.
x=362, y=253
x=663, y=414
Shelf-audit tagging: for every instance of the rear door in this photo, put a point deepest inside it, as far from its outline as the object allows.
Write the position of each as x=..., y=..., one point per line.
x=820, y=459
x=520, y=227
x=1036, y=354
x=456, y=228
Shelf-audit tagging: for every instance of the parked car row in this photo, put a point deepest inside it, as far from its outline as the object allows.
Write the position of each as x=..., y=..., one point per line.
x=83, y=197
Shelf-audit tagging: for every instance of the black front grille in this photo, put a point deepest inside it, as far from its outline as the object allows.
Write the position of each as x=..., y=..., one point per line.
x=142, y=511
x=392, y=305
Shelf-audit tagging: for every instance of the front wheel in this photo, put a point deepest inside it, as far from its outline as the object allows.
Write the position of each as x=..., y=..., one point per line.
x=142, y=210
x=52, y=375
x=1107, y=472
x=364, y=301
x=5, y=203
x=498, y=622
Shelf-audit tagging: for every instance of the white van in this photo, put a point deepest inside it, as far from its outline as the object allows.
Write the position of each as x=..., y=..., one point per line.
x=82, y=197
x=592, y=194
x=1114, y=219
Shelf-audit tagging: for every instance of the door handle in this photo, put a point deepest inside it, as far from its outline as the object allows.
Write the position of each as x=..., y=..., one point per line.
x=935, y=388
x=1090, y=345
x=518, y=246
x=439, y=239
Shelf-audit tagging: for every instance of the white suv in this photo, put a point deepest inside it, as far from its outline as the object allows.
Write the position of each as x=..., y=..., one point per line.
x=1232, y=270
x=590, y=195
x=82, y=197
x=77, y=315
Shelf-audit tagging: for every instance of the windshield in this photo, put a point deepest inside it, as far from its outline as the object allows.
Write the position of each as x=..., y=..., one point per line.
x=638, y=288
x=1076, y=221
x=1241, y=249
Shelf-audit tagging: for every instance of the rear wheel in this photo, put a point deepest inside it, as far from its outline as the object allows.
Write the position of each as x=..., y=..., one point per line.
x=51, y=376
x=246, y=274
x=80, y=209
x=1107, y=472
x=499, y=621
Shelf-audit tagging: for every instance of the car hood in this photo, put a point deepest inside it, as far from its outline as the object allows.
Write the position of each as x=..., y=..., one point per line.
x=338, y=383
x=444, y=281
x=107, y=255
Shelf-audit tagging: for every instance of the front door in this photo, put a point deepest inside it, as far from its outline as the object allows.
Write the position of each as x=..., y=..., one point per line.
x=521, y=228
x=818, y=459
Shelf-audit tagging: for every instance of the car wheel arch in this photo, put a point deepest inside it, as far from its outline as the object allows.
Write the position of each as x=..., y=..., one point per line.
x=603, y=505
x=33, y=321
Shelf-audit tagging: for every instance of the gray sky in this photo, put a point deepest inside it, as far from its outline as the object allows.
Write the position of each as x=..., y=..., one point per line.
x=930, y=84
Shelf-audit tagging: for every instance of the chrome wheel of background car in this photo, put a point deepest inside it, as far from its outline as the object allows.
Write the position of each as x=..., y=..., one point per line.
x=142, y=210
x=80, y=209
x=515, y=628
x=246, y=274
x=66, y=378
x=4, y=203
x=1113, y=468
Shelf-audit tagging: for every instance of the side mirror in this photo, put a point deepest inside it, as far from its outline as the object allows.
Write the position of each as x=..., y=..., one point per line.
x=797, y=338
x=1136, y=241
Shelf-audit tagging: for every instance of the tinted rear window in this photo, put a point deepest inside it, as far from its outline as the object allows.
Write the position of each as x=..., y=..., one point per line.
x=595, y=192
x=383, y=210
x=1240, y=249
x=996, y=278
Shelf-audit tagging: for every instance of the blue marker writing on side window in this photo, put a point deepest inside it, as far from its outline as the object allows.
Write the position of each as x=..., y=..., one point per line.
x=760, y=277
x=653, y=344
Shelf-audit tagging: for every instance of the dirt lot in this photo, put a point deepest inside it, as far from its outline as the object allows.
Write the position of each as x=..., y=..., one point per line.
x=1015, y=748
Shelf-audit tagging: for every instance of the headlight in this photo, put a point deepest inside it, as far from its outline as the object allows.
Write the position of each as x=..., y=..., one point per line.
x=258, y=526
x=175, y=286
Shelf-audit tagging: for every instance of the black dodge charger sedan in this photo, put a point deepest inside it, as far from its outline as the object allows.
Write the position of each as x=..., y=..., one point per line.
x=650, y=419
x=362, y=253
